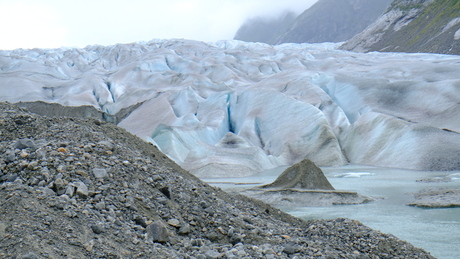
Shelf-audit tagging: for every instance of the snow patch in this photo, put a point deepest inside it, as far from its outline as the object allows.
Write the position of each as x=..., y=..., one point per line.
x=457, y=35
x=451, y=24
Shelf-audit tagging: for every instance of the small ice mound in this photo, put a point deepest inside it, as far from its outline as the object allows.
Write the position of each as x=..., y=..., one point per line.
x=353, y=175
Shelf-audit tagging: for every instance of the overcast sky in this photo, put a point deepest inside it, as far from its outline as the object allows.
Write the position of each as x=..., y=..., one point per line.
x=56, y=23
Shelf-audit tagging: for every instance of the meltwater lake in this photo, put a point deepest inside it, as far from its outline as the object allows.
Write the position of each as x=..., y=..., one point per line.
x=437, y=230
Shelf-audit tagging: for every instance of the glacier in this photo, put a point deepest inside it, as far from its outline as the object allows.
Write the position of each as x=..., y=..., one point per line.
x=233, y=108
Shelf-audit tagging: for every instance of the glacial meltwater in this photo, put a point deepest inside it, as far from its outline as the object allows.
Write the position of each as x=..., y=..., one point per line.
x=437, y=230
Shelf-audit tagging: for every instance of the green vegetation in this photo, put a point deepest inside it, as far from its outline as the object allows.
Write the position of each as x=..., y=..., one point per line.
x=424, y=30
x=404, y=7
x=433, y=18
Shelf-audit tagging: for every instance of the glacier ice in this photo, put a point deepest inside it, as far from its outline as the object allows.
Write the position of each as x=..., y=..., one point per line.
x=236, y=108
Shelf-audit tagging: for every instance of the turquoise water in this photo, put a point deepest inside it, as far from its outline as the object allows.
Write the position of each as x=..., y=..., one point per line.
x=435, y=230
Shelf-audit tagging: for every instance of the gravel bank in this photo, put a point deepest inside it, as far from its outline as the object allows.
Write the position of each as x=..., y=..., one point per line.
x=82, y=188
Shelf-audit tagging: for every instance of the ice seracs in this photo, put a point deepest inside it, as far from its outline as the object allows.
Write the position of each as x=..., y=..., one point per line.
x=234, y=108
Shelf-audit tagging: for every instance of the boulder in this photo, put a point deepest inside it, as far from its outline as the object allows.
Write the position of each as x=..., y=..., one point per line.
x=157, y=232
x=25, y=143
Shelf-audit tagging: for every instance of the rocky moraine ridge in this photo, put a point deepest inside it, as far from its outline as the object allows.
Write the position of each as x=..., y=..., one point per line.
x=82, y=188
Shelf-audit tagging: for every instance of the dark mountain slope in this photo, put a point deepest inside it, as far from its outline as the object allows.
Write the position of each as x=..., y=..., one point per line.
x=413, y=26
x=262, y=29
x=333, y=21
x=325, y=21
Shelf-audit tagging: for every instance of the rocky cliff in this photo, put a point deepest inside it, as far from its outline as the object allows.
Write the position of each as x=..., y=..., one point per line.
x=413, y=26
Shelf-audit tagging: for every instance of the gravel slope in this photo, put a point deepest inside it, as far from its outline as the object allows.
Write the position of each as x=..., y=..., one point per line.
x=82, y=188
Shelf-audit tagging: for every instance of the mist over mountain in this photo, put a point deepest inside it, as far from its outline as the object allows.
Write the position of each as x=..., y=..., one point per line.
x=265, y=29
x=413, y=26
x=325, y=21
x=333, y=21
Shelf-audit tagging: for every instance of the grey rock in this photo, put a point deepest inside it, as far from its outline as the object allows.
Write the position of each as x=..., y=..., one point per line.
x=97, y=228
x=100, y=173
x=140, y=221
x=87, y=181
x=10, y=156
x=41, y=154
x=213, y=236
x=174, y=223
x=106, y=145
x=184, y=229
x=212, y=254
x=235, y=239
x=8, y=178
x=29, y=255
x=48, y=191
x=25, y=143
x=70, y=213
x=156, y=178
x=70, y=190
x=45, y=172
x=100, y=205
x=82, y=189
x=157, y=232
x=197, y=242
x=291, y=248
x=34, y=181
x=59, y=186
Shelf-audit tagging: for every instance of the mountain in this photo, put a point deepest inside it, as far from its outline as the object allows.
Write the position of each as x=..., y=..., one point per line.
x=413, y=26
x=263, y=29
x=333, y=21
x=325, y=21
x=236, y=108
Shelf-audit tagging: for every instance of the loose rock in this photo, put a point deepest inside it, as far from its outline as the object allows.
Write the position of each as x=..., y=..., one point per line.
x=124, y=215
x=82, y=189
x=157, y=232
x=100, y=173
x=25, y=143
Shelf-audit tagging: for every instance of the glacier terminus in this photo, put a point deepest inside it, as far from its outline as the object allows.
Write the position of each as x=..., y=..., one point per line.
x=232, y=108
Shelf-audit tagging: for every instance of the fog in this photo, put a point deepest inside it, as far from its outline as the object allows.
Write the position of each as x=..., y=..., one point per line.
x=57, y=23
